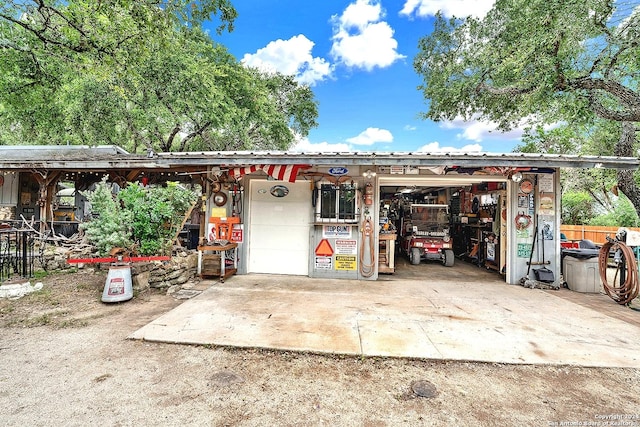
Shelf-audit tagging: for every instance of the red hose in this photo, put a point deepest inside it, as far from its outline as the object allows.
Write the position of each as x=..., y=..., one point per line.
x=622, y=293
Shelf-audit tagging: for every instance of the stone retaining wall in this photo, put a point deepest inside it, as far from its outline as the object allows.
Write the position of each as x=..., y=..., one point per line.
x=164, y=275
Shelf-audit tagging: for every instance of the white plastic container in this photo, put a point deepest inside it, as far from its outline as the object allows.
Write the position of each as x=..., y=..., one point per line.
x=582, y=275
x=118, y=286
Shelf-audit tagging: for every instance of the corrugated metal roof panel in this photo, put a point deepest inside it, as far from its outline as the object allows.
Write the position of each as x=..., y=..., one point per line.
x=476, y=159
x=111, y=157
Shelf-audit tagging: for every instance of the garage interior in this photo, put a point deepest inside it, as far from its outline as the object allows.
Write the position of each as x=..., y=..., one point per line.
x=476, y=213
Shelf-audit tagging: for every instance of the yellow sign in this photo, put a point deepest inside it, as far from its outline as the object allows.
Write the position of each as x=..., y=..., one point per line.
x=346, y=262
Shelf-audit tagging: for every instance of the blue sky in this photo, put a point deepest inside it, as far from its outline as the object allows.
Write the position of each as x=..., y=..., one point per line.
x=358, y=58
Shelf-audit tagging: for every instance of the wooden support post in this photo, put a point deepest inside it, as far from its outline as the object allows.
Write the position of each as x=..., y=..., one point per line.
x=184, y=221
x=206, y=191
x=131, y=176
x=47, y=182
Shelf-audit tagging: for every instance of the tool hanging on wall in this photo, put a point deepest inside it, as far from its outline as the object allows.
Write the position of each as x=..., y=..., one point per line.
x=236, y=200
x=314, y=195
x=368, y=194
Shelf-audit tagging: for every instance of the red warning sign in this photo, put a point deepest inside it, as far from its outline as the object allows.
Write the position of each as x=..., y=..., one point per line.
x=324, y=248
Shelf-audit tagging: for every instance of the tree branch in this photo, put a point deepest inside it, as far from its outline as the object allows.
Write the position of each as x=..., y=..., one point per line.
x=627, y=97
x=507, y=91
x=198, y=132
x=172, y=135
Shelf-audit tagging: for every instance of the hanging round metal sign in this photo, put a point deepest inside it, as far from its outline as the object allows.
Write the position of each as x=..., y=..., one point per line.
x=279, y=191
x=220, y=199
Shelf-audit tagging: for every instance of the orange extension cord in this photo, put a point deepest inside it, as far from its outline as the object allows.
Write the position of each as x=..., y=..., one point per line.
x=622, y=293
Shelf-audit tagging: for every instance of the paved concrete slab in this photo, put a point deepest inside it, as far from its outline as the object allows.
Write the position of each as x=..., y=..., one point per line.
x=478, y=318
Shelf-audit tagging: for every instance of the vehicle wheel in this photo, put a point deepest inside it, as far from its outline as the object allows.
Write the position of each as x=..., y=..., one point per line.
x=449, y=258
x=414, y=256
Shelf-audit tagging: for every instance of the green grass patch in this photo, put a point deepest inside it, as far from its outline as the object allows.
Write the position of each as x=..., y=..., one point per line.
x=40, y=274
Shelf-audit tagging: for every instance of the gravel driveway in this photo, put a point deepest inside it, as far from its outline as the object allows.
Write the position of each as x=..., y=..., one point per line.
x=65, y=360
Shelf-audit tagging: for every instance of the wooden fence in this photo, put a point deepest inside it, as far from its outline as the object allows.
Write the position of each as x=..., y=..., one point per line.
x=597, y=235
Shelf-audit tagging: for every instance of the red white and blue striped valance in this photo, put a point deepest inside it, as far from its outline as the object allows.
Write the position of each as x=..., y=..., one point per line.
x=280, y=172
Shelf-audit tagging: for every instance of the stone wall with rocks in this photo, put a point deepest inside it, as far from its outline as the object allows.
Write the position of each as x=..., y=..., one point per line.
x=169, y=275
x=163, y=275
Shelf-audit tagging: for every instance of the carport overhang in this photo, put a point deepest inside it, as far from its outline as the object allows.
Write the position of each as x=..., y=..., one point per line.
x=109, y=158
x=49, y=164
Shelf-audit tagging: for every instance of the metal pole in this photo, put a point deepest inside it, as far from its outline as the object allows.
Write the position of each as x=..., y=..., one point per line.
x=24, y=254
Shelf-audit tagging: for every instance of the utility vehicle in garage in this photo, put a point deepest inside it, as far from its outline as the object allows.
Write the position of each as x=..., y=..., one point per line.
x=424, y=234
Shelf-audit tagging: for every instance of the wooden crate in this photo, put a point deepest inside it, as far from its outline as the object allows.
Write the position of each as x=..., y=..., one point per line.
x=210, y=265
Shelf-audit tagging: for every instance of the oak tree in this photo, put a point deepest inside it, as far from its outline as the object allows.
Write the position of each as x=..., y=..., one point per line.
x=141, y=74
x=534, y=63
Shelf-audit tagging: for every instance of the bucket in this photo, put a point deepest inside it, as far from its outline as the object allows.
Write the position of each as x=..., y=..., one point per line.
x=118, y=286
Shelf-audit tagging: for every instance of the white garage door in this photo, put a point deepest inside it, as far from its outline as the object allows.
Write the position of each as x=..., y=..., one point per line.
x=279, y=227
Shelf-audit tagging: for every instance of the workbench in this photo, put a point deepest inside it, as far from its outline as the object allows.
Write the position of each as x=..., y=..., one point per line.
x=216, y=264
x=386, y=253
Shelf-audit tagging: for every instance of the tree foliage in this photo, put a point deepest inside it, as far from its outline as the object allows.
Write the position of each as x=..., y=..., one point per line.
x=571, y=64
x=577, y=207
x=139, y=74
x=623, y=215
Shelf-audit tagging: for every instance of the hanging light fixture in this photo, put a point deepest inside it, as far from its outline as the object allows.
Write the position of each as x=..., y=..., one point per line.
x=369, y=174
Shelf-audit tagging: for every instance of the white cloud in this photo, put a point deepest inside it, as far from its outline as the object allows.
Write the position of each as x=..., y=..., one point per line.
x=410, y=127
x=303, y=145
x=290, y=57
x=458, y=8
x=370, y=136
x=361, y=39
x=477, y=131
x=434, y=147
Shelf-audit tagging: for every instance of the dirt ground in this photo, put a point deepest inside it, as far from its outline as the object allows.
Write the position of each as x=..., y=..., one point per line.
x=65, y=360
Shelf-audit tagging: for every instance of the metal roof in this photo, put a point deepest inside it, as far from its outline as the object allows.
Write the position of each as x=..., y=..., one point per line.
x=77, y=158
x=403, y=158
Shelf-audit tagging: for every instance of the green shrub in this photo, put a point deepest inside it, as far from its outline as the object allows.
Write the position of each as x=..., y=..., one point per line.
x=577, y=207
x=110, y=226
x=623, y=215
x=156, y=212
x=141, y=218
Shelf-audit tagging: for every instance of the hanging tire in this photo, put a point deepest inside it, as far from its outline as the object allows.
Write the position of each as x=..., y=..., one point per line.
x=449, y=258
x=414, y=256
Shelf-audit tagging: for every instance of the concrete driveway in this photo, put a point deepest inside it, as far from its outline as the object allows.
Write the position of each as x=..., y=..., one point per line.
x=472, y=315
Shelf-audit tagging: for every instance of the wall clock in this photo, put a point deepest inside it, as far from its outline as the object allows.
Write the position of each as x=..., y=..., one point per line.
x=526, y=186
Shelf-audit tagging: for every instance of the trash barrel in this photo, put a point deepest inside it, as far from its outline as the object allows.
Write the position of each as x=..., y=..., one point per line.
x=581, y=270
